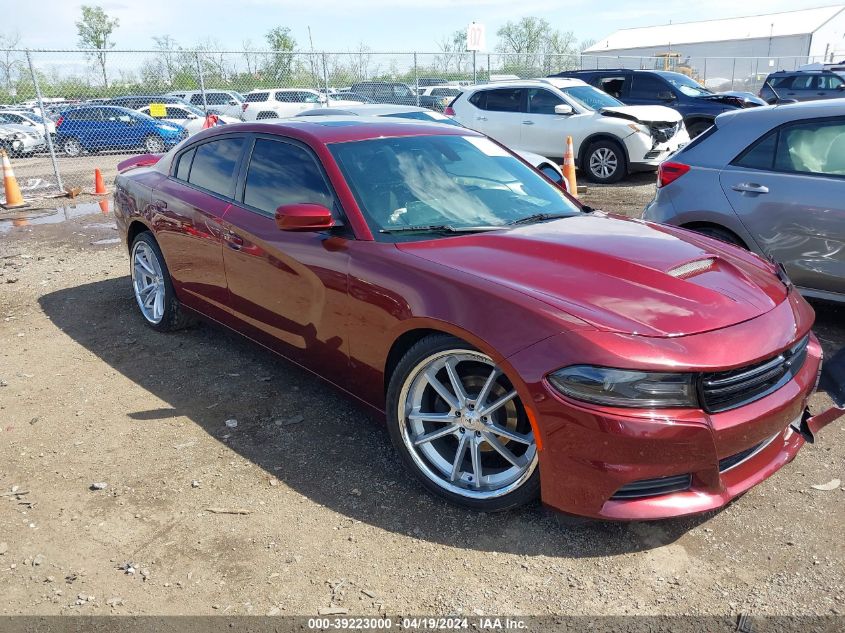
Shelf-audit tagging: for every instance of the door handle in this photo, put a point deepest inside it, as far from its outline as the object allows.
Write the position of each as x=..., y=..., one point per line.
x=750, y=187
x=528, y=122
x=481, y=118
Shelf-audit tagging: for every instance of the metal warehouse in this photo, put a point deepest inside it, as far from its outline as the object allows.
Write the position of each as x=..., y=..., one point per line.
x=728, y=52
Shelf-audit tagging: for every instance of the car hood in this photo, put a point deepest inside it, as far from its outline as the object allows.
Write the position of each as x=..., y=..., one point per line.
x=643, y=114
x=738, y=99
x=617, y=274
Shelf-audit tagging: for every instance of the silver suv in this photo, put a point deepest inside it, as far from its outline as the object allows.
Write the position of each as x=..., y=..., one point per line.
x=769, y=179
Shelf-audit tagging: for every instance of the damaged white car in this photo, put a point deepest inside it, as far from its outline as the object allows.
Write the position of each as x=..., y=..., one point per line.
x=609, y=138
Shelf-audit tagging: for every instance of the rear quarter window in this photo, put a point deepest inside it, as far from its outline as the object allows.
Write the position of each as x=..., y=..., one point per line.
x=214, y=166
x=479, y=100
x=257, y=97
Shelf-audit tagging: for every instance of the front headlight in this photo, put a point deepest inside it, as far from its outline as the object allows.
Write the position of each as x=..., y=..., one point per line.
x=642, y=129
x=625, y=387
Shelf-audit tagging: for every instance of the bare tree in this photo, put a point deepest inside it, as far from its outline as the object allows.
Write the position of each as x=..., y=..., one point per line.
x=531, y=44
x=95, y=29
x=167, y=57
x=10, y=61
x=453, y=49
x=250, y=57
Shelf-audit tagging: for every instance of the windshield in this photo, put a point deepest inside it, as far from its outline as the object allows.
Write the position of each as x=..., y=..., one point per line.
x=434, y=117
x=457, y=181
x=591, y=98
x=686, y=85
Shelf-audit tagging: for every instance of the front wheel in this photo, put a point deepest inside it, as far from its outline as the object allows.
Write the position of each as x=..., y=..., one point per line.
x=605, y=162
x=154, y=145
x=460, y=427
x=71, y=147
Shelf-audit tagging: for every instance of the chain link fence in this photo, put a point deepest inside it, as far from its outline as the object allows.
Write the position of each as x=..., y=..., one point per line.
x=54, y=125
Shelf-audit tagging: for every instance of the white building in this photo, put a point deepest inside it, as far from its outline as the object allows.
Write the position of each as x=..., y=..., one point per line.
x=737, y=49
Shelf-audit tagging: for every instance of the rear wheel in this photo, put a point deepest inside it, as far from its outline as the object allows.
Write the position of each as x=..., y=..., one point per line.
x=604, y=162
x=697, y=127
x=153, y=287
x=154, y=145
x=460, y=427
x=719, y=233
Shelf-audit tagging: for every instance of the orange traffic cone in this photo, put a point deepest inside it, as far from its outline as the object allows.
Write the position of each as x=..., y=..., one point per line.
x=99, y=185
x=569, y=167
x=104, y=206
x=14, y=199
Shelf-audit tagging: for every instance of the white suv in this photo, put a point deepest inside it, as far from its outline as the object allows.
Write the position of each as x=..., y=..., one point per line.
x=610, y=139
x=279, y=103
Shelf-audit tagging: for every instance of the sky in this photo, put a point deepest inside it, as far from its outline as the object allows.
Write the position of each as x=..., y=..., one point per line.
x=341, y=25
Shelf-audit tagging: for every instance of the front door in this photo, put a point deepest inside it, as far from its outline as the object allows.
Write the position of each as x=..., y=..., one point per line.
x=288, y=288
x=788, y=189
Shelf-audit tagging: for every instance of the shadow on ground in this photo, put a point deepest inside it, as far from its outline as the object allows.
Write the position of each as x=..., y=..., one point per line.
x=209, y=375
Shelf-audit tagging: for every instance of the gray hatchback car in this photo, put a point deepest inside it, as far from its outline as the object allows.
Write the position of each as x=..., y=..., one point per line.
x=769, y=179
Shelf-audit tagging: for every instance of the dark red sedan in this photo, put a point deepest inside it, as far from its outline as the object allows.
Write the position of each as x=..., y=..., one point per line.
x=517, y=343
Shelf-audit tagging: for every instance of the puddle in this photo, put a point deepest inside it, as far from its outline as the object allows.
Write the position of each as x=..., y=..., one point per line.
x=65, y=213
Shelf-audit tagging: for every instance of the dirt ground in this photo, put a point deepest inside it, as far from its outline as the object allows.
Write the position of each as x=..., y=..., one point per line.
x=89, y=394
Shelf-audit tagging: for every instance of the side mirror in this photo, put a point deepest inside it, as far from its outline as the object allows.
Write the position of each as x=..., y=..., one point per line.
x=192, y=116
x=841, y=87
x=304, y=217
x=233, y=102
x=563, y=109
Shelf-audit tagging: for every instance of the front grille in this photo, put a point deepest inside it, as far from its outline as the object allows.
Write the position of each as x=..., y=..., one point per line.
x=729, y=462
x=654, y=487
x=725, y=390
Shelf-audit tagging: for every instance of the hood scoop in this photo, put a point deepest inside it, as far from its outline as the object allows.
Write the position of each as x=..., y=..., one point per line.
x=690, y=269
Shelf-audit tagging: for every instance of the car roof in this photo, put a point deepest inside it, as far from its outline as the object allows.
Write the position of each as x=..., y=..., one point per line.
x=557, y=82
x=373, y=109
x=340, y=129
x=784, y=113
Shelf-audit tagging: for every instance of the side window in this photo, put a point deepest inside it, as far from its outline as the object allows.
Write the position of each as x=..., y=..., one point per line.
x=214, y=165
x=257, y=97
x=284, y=97
x=541, y=101
x=183, y=166
x=172, y=112
x=401, y=91
x=504, y=100
x=479, y=100
x=196, y=99
x=614, y=86
x=829, y=82
x=216, y=98
x=281, y=173
x=812, y=147
x=803, y=82
x=648, y=87
x=761, y=154
x=780, y=82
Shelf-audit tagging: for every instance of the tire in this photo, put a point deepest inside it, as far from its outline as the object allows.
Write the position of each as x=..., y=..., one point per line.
x=604, y=162
x=266, y=115
x=462, y=443
x=154, y=145
x=697, y=128
x=147, y=268
x=72, y=147
x=719, y=233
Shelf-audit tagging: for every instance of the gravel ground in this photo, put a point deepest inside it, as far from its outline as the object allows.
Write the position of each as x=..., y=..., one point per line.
x=90, y=395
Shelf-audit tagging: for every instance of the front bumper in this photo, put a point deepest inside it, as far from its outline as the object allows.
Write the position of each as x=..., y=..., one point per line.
x=588, y=453
x=644, y=154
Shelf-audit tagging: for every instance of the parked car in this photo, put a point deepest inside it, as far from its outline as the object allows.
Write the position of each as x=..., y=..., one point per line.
x=278, y=103
x=136, y=102
x=610, y=139
x=96, y=128
x=29, y=119
x=189, y=117
x=442, y=282
x=698, y=105
x=223, y=102
x=393, y=92
x=771, y=180
x=21, y=139
x=348, y=98
x=548, y=167
x=442, y=95
x=804, y=85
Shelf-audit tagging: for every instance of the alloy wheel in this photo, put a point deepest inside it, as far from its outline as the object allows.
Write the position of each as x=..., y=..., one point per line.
x=603, y=162
x=465, y=427
x=148, y=282
x=71, y=147
x=154, y=145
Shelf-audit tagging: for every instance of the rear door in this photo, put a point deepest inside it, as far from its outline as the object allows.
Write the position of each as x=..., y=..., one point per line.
x=788, y=189
x=190, y=205
x=289, y=289
x=503, y=116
